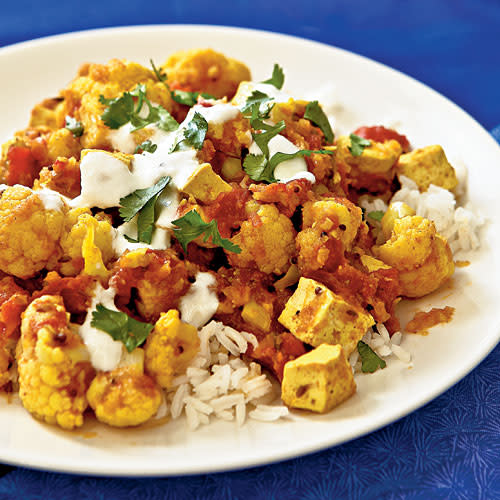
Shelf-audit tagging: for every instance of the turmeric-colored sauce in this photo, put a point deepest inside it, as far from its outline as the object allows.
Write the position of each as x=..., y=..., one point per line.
x=462, y=263
x=424, y=320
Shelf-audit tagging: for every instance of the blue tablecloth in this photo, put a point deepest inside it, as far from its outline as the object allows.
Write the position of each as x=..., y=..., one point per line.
x=451, y=447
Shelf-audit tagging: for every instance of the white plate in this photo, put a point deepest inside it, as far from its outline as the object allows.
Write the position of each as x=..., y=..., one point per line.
x=376, y=94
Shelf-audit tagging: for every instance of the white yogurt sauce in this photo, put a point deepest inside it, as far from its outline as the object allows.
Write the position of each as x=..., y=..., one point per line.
x=160, y=239
x=105, y=353
x=122, y=139
x=288, y=170
x=216, y=114
x=201, y=302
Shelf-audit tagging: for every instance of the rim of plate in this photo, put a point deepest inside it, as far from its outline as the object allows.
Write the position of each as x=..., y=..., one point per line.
x=16, y=457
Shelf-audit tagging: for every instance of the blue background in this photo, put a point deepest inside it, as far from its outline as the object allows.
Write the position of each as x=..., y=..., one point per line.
x=448, y=449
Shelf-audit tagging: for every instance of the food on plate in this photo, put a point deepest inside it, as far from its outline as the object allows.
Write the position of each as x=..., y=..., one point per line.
x=181, y=239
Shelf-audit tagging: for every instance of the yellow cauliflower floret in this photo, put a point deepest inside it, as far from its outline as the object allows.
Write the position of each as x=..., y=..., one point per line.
x=427, y=166
x=421, y=255
x=53, y=366
x=62, y=143
x=338, y=217
x=29, y=233
x=125, y=396
x=110, y=80
x=87, y=243
x=205, y=70
x=170, y=347
x=267, y=242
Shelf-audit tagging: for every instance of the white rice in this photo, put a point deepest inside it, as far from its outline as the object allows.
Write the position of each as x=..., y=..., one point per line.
x=383, y=345
x=220, y=384
x=459, y=225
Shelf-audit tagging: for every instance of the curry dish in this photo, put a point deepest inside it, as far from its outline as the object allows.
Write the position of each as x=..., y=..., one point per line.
x=143, y=202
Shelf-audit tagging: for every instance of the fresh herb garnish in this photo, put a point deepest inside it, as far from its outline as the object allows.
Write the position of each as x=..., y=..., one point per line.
x=189, y=98
x=127, y=108
x=146, y=146
x=315, y=114
x=269, y=131
x=142, y=202
x=258, y=105
x=193, y=133
x=162, y=77
x=376, y=215
x=191, y=225
x=278, y=77
x=74, y=126
x=180, y=96
x=259, y=168
x=120, y=326
x=370, y=362
x=358, y=144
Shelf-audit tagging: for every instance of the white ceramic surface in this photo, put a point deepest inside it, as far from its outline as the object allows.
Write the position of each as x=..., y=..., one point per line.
x=373, y=94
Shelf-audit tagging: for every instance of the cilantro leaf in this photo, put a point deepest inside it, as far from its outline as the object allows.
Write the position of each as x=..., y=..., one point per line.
x=188, y=98
x=191, y=225
x=127, y=108
x=315, y=114
x=120, y=326
x=278, y=77
x=370, y=362
x=74, y=126
x=278, y=158
x=257, y=168
x=142, y=202
x=134, y=202
x=376, y=215
x=193, y=133
x=118, y=110
x=263, y=138
x=146, y=146
x=162, y=77
x=258, y=105
x=358, y=145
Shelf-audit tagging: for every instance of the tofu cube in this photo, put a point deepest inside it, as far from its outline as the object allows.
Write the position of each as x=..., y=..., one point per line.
x=316, y=315
x=205, y=185
x=428, y=166
x=319, y=380
x=378, y=158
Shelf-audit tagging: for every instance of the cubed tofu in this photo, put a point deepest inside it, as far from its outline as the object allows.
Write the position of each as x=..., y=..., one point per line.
x=257, y=315
x=378, y=158
x=428, y=166
x=319, y=380
x=205, y=185
x=316, y=315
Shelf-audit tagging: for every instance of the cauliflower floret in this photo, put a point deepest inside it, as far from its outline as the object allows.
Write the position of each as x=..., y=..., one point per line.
x=170, y=347
x=125, y=396
x=29, y=233
x=204, y=70
x=111, y=80
x=62, y=176
x=338, y=217
x=63, y=143
x=54, y=371
x=421, y=255
x=13, y=301
x=154, y=279
x=87, y=244
x=267, y=241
